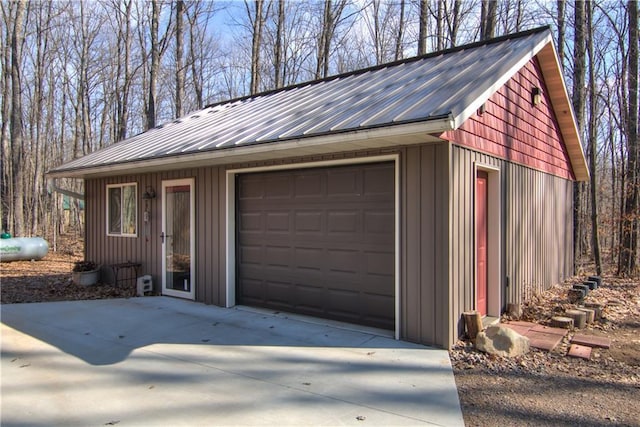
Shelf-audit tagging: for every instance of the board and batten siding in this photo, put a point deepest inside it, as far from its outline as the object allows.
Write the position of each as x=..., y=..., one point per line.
x=146, y=247
x=425, y=292
x=536, y=230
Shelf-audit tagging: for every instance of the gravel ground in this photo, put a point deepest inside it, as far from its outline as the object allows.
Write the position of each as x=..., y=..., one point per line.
x=537, y=389
x=551, y=389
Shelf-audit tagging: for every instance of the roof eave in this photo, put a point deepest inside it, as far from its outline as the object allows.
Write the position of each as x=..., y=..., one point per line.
x=379, y=137
x=565, y=117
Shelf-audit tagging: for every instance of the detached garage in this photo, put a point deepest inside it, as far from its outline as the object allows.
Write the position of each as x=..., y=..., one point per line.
x=394, y=197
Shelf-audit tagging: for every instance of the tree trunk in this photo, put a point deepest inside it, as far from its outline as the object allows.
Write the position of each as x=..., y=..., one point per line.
x=578, y=108
x=155, y=64
x=422, y=31
x=400, y=33
x=6, y=180
x=630, y=217
x=488, y=12
x=15, y=126
x=593, y=135
x=439, y=26
x=179, y=65
x=278, y=63
x=122, y=95
x=561, y=33
x=256, y=41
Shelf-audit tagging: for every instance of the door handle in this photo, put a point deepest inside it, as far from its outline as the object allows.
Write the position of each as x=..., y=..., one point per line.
x=162, y=236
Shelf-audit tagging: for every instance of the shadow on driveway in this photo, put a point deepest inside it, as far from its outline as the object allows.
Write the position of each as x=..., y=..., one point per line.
x=148, y=359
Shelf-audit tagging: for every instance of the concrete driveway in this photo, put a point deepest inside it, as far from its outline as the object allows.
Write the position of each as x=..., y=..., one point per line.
x=164, y=361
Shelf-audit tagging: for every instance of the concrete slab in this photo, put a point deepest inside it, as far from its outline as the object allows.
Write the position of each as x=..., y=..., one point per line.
x=164, y=361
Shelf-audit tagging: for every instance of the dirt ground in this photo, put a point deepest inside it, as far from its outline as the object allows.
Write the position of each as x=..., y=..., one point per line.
x=538, y=389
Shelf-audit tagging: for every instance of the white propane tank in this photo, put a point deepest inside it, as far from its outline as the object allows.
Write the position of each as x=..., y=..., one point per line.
x=23, y=248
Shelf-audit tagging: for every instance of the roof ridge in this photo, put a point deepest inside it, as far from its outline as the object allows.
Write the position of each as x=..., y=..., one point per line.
x=359, y=71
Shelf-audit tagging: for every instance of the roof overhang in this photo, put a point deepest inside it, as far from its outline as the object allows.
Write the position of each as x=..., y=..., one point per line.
x=557, y=92
x=545, y=52
x=373, y=138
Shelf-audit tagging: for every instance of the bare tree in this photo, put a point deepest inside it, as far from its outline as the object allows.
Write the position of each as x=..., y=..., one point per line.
x=578, y=100
x=561, y=29
x=630, y=216
x=593, y=135
x=257, y=23
x=157, y=47
x=278, y=46
x=331, y=18
x=180, y=71
x=400, y=33
x=15, y=125
x=423, y=30
x=6, y=159
x=488, y=12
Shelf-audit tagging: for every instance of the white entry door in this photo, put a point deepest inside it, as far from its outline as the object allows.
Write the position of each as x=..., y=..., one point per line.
x=178, y=238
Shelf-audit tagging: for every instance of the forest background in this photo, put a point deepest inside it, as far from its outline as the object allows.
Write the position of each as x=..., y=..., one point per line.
x=78, y=76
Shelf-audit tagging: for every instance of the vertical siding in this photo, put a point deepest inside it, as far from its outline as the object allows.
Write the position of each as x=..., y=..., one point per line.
x=425, y=294
x=536, y=236
x=146, y=248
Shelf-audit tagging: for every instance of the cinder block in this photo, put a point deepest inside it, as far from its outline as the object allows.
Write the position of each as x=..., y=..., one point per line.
x=591, y=284
x=583, y=287
x=596, y=279
x=576, y=295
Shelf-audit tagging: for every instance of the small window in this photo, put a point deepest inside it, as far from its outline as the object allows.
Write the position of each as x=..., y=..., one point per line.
x=122, y=210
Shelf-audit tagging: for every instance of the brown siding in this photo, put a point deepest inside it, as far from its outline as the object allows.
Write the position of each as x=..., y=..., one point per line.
x=424, y=205
x=146, y=247
x=536, y=223
x=425, y=294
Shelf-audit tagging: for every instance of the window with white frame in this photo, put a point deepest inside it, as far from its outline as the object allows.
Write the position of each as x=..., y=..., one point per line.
x=122, y=209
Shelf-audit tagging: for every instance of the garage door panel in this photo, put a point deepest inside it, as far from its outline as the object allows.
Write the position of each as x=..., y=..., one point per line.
x=343, y=183
x=344, y=221
x=321, y=243
x=308, y=222
x=276, y=187
x=308, y=258
x=344, y=261
x=379, y=223
x=309, y=185
x=251, y=221
x=278, y=222
x=277, y=256
x=376, y=182
x=380, y=264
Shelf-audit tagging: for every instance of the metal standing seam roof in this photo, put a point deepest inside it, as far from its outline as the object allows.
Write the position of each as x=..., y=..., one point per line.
x=447, y=85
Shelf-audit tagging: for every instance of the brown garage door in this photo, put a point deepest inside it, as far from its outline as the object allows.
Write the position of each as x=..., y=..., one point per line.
x=319, y=242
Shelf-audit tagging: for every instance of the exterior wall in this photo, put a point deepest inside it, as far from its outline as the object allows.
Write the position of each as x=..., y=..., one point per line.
x=424, y=293
x=146, y=248
x=513, y=129
x=536, y=230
